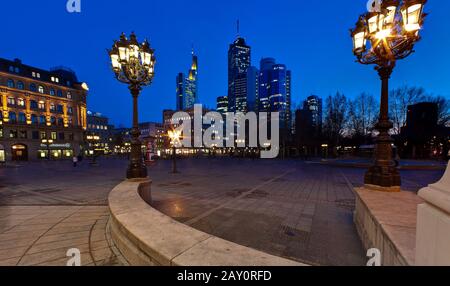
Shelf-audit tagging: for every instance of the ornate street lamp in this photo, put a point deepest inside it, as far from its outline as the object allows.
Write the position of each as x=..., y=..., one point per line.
x=381, y=38
x=133, y=64
x=175, y=136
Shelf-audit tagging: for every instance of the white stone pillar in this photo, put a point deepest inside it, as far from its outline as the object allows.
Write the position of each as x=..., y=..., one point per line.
x=433, y=224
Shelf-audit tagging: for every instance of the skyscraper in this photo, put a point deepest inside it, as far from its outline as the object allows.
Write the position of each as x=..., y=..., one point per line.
x=191, y=84
x=238, y=63
x=187, y=87
x=222, y=104
x=275, y=90
x=180, y=91
x=266, y=65
x=252, y=88
x=314, y=105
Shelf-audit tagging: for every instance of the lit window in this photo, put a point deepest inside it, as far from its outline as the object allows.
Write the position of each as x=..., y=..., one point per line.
x=41, y=89
x=69, y=95
x=21, y=102
x=52, y=107
x=41, y=105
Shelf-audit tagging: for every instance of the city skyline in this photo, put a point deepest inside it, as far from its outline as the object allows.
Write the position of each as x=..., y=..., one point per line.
x=317, y=69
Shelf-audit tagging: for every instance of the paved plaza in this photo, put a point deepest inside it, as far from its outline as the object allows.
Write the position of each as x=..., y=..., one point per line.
x=294, y=209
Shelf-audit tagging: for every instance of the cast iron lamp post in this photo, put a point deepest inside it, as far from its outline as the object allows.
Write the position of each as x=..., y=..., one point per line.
x=381, y=38
x=133, y=64
x=47, y=142
x=174, y=136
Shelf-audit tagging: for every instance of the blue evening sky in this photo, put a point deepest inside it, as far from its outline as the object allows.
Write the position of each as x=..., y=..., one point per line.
x=310, y=37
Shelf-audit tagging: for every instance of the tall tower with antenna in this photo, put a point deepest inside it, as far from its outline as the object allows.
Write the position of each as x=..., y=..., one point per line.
x=239, y=60
x=191, y=88
x=187, y=87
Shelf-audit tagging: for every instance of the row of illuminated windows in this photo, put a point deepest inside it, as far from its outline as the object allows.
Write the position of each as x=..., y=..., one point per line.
x=35, y=74
x=98, y=127
x=38, y=120
x=20, y=102
x=37, y=88
x=36, y=135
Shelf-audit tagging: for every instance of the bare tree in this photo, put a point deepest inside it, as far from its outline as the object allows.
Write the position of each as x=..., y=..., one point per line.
x=335, y=117
x=443, y=105
x=400, y=99
x=362, y=114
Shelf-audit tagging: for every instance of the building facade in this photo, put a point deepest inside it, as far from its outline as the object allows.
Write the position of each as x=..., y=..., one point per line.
x=222, y=104
x=180, y=91
x=152, y=137
x=239, y=59
x=98, y=125
x=252, y=89
x=43, y=113
x=314, y=105
x=274, y=93
x=422, y=137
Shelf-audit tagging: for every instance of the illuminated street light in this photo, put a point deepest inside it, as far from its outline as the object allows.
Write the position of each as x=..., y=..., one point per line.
x=175, y=136
x=381, y=38
x=133, y=64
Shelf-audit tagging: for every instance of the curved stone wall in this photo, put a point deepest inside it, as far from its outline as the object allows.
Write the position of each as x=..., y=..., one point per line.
x=145, y=236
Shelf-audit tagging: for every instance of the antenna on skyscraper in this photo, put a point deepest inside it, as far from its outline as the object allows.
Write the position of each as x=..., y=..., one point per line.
x=238, y=27
x=192, y=48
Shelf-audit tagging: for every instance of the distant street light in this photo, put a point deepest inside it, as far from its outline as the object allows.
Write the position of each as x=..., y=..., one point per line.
x=47, y=142
x=381, y=38
x=174, y=136
x=134, y=64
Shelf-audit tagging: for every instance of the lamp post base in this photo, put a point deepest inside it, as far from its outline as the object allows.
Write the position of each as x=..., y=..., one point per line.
x=136, y=171
x=385, y=179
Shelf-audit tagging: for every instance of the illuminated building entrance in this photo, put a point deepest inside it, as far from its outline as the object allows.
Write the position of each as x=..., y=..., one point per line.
x=19, y=152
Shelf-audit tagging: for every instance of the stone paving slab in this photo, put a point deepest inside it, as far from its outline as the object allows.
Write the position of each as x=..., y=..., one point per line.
x=298, y=210
x=46, y=239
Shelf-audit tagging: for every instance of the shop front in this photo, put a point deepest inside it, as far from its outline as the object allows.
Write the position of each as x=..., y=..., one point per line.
x=2, y=154
x=55, y=151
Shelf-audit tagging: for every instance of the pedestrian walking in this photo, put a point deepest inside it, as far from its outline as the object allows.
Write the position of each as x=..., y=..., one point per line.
x=75, y=161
